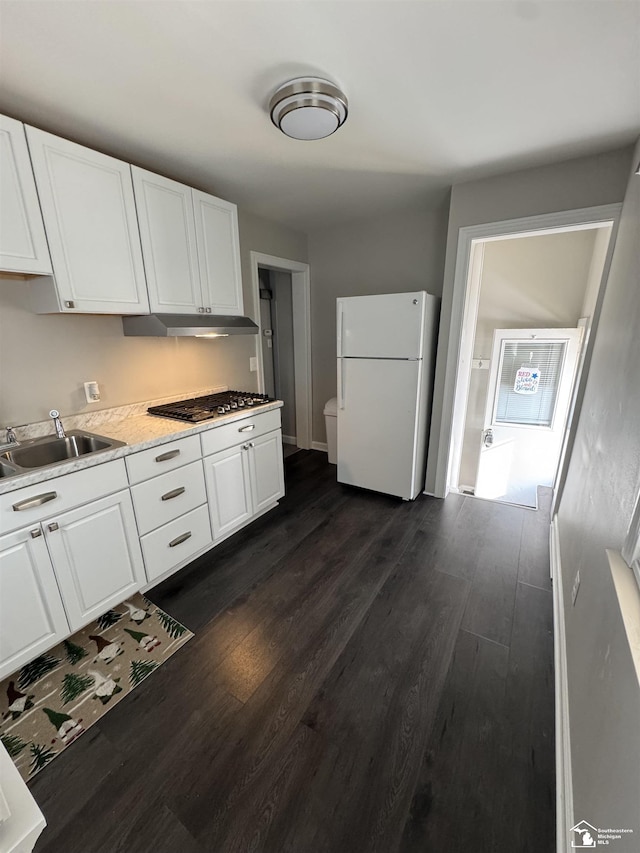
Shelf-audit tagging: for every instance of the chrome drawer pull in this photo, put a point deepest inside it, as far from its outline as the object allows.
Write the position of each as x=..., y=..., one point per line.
x=247, y=428
x=173, y=493
x=170, y=454
x=180, y=539
x=38, y=500
x=35, y=533
x=53, y=526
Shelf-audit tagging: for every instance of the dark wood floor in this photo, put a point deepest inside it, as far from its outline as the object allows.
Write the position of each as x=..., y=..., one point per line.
x=366, y=675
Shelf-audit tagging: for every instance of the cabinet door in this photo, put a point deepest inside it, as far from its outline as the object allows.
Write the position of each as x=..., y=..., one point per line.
x=267, y=470
x=32, y=617
x=218, y=245
x=168, y=234
x=90, y=216
x=228, y=489
x=23, y=245
x=96, y=556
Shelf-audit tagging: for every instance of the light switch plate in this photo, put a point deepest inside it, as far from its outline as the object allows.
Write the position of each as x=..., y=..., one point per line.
x=253, y=364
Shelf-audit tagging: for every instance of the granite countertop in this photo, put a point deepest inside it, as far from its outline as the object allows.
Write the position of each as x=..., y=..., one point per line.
x=130, y=424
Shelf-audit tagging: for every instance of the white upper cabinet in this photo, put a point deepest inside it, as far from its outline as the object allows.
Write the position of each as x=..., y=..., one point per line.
x=218, y=245
x=23, y=245
x=191, y=247
x=90, y=219
x=168, y=235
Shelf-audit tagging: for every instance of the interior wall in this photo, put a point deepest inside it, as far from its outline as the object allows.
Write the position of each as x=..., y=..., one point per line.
x=46, y=358
x=526, y=282
x=573, y=184
x=396, y=252
x=595, y=509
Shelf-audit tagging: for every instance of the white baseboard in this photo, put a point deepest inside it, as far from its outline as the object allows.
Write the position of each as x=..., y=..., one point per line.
x=319, y=445
x=289, y=439
x=564, y=781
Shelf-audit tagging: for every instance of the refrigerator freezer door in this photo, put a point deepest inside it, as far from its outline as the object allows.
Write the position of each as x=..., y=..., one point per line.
x=377, y=428
x=384, y=326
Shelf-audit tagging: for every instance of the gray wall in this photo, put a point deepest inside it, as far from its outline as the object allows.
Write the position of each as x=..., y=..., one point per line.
x=396, y=252
x=602, y=482
x=583, y=182
x=44, y=359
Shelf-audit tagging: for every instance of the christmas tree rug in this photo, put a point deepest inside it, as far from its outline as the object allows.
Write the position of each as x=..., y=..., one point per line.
x=51, y=701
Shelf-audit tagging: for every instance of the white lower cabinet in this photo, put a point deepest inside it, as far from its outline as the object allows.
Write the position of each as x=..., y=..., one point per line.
x=96, y=556
x=229, y=489
x=175, y=543
x=32, y=618
x=243, y=481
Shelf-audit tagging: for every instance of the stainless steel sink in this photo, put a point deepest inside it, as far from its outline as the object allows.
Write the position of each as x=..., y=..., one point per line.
x=51, y=450
x=7, y=470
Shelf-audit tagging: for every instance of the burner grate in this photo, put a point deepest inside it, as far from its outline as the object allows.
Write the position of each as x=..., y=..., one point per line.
x=204, y=408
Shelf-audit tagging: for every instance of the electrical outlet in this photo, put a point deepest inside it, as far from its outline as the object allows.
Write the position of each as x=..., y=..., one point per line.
x=576, y=587
x=253, y=364
x=92, y=391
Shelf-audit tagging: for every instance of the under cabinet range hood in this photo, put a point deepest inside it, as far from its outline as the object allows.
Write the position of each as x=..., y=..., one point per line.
x=188, y=325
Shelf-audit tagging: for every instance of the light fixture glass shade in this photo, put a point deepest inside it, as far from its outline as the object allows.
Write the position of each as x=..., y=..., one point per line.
x=308, y=108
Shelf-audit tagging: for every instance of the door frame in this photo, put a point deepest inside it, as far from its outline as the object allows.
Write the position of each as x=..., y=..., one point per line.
x=301, y=302
x=464, y=309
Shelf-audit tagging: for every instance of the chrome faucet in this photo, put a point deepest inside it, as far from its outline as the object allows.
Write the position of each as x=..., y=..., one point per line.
x=55, y=414
x=11, y=436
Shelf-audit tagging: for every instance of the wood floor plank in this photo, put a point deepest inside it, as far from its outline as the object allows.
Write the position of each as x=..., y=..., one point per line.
x=456, y=805
x=529, y=718
x=363, y=718
x=375, y=709
x=534, y=565
x=275, y=709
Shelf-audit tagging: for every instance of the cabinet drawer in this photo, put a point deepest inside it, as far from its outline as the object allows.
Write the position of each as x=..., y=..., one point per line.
x=168, y=496
x=176, y=542
x=165, y=457
x=223, y=437
x=35, y=503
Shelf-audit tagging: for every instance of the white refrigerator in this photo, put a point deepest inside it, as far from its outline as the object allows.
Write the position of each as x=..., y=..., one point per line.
x=386, y=363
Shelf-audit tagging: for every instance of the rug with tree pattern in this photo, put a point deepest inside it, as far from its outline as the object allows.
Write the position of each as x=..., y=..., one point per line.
x=53, y=699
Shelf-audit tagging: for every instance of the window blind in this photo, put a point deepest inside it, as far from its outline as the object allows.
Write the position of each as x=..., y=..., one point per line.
x=529, y=409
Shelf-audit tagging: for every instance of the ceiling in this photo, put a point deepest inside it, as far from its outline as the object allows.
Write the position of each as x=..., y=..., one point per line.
x=440, y=91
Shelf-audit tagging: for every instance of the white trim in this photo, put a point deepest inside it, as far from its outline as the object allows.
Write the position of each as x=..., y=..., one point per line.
x=320, y=445
x=564, y=779
x=290, y=439
x=566, y=220
x=301, y=301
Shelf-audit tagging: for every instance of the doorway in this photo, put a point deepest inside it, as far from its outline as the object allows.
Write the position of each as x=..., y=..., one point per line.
x=532, y=301
x=276, y=324
x=283, y=346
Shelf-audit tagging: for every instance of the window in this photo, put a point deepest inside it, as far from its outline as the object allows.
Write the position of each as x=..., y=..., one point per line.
x=535, y=408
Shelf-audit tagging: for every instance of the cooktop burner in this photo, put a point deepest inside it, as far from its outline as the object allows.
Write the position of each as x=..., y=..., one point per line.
x=210, y=406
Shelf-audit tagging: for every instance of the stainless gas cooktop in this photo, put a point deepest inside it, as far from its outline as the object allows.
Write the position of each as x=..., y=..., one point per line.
x=199, y=409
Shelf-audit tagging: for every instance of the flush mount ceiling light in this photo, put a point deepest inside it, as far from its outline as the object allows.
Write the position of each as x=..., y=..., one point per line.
x=308, y=108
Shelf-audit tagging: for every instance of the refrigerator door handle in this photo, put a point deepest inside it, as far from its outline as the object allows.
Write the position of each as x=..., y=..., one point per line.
x=341, y=383
x=340, y=327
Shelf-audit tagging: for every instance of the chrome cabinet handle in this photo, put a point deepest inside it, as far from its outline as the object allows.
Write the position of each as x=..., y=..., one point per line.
x=170, y=454
x=247, y=428
x=35, y=533
x=52, y=527
x=173, y=493
x=487, y=438
x=38, y=500
x=245, y=446
x=207, y=310
x=180, y=539
x=251, y=444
